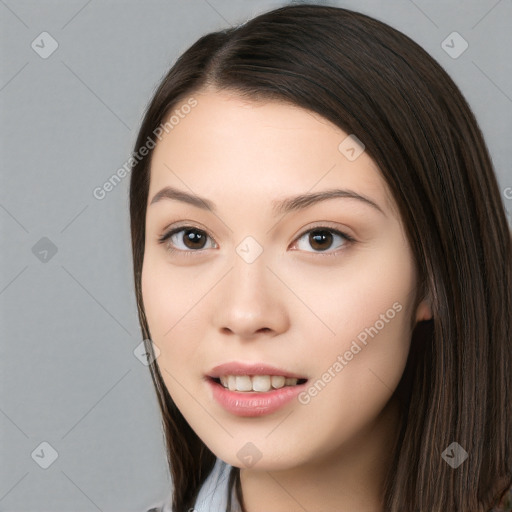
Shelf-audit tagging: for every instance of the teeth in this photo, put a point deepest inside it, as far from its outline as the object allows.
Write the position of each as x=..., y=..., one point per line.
x=243, y=383
x=259, y=383
x=278, y=381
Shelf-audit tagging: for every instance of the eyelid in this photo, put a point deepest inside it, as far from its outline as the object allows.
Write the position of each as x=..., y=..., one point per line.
x=186, y=224
x=325, y=224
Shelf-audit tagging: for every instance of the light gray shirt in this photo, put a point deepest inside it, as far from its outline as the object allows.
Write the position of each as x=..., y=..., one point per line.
x=213, y=494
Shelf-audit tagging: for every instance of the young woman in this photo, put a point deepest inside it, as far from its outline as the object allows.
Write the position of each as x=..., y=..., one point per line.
x=323, y=274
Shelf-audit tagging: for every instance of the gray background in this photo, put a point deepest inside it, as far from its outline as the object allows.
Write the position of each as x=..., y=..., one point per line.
x=69, y=328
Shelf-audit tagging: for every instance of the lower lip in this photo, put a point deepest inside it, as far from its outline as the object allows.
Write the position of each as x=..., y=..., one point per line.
x=253, y=403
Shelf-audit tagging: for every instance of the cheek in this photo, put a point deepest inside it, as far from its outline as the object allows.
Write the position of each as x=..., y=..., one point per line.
x=357, y=374
x=369, y=309
x=164, y=303
x=369, y=295
x=164, y=295
x=154, y=300
x=170, y=331
x=173, y=312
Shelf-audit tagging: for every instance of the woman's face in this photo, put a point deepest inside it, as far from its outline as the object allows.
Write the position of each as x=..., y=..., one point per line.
x=323, y=290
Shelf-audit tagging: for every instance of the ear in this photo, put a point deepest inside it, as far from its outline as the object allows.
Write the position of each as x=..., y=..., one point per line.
x=424, y=310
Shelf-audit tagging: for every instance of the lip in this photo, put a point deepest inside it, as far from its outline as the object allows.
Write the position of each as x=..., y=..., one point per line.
x=253, y=403
x=251, y=369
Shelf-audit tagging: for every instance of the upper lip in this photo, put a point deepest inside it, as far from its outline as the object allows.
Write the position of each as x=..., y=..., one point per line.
x=239, y=368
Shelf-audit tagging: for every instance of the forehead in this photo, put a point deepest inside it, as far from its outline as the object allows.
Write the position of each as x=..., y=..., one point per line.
x=226, y=144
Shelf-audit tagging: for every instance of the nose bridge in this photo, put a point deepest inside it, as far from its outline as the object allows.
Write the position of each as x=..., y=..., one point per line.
x=249, y=282
x=249, y=300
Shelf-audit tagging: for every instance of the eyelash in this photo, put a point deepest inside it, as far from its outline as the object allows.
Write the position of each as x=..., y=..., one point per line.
x=163, y=239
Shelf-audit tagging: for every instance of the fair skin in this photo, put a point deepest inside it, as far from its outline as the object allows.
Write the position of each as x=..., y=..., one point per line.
x=294, y=306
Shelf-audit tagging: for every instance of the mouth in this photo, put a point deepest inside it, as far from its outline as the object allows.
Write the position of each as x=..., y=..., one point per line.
x=253, y=377
x=254, y=395
x=256, y=383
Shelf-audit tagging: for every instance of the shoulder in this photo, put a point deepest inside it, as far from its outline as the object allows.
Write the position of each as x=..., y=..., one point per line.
x=158, y=508
x=505, y=504
x=161, y=506
x=212, y=496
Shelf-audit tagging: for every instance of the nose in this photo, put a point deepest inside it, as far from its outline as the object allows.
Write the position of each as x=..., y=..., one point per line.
x=251, y=301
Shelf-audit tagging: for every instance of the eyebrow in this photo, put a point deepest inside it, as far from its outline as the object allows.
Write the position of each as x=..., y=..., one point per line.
x=281, y=206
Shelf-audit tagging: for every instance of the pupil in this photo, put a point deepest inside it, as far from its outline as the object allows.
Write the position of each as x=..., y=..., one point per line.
x=193, y=236
x=319, y=236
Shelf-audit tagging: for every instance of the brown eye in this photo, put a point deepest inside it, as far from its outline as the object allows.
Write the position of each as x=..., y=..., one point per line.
x=185, y=239
x=322, y=238
x=193, y=238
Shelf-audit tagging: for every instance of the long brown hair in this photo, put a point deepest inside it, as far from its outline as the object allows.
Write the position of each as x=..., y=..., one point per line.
x=373, y=81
